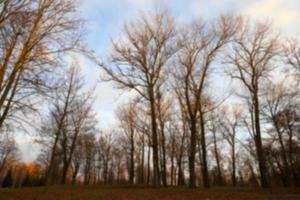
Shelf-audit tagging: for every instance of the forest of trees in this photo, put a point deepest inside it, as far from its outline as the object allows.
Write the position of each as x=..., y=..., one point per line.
x=215, y=102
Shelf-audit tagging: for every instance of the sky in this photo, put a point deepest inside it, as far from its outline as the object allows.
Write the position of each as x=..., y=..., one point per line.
x=105, y=20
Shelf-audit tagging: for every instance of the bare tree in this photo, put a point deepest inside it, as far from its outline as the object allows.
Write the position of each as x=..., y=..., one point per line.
x=34, y=34
x=200, y=44
x=105, y=144
x=229, y=122
x=140, y=61
x=89, y=150
x=292, y=56
x=82, y=121
x=70, y=116
x=163, y=111
x=254, y=50
x=279, y=105
x=214, y=128
x=9, y=8
x=144, y=130
x=77, y=158
x=128, y=122
x=8, y=152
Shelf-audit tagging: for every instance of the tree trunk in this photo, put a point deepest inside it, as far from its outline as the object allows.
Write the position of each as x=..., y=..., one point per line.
x=172, y=160
x=156, y=177
x=143, y=160
x=220, y=178
x=69, y=159
x=192, y=181
x=259, y=147
x=286, y=174
x=206, y=183
x=64, y=173
x=131, y=173
x=164, y=167
x=180, y=180
x=291, y=159
x=148, y=164
x=233, y=175
x=49, y=171
x=74, y=175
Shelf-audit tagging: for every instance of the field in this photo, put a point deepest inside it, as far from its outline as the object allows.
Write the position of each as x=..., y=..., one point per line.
x=141, y=193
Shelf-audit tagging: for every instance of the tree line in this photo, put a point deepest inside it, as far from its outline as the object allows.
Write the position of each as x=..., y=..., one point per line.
x=178, y=128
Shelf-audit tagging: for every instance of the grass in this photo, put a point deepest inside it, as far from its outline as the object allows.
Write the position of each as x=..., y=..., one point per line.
x=71, y=192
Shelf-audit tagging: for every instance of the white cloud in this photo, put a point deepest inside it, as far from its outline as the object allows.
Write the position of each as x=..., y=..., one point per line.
x=29, y=149
x=284, y=14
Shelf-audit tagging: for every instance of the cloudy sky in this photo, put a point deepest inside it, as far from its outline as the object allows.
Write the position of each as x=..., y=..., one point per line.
x=105, y=19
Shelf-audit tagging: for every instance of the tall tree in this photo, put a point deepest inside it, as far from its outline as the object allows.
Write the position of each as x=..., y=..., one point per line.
x=254, y=50
x=70, y=116
x=139, y=62
x=200, y=44
x=33, y=36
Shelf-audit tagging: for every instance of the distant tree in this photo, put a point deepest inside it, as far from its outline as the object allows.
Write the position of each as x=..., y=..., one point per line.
x=8, y=179
x=127, y=116
x=8, y=152
x=89, y=151
x=292, y=57
x=214, y=128
x=229, y=122
x=106, y=143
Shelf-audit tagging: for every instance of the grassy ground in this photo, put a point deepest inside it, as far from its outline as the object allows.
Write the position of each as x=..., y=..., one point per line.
x=140, y=193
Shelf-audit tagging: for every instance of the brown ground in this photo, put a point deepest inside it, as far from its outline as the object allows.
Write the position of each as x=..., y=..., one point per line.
x=140, y=193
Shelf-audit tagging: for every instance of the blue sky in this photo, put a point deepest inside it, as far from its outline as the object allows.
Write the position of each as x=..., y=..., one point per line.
x=105, y=19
